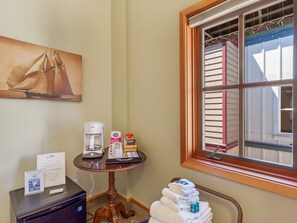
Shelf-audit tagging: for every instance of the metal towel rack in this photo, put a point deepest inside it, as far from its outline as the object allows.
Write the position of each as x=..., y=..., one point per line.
x=218, y=194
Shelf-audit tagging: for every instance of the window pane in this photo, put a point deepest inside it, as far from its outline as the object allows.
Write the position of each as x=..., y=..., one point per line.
x=286, y=109
x=221, y=121
x=269, y=43
x=221, y=54
x=264, y=120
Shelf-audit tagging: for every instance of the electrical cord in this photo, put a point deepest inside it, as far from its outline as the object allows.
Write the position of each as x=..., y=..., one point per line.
x=90, y=193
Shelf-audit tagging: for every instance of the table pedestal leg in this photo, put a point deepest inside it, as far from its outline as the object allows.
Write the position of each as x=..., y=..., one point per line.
x=111, y=210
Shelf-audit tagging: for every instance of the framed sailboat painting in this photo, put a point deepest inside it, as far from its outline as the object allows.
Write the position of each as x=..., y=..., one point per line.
x=29, y=71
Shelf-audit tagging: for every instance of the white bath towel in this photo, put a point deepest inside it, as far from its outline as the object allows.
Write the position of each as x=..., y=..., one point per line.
x=153, y=220
x=177, y=198
x=164, y=214
x=207, y=219
x=204, y=208
x=186, y=193
x=200, y=216
x=174, y=206
x=182, y=184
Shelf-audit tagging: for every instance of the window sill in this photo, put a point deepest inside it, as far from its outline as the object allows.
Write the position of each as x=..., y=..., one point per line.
x=276, y=185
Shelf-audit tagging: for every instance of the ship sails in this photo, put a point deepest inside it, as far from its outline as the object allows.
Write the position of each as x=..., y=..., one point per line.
x=45, y=76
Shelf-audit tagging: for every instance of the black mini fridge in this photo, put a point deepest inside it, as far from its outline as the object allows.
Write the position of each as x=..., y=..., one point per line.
x=68, y=206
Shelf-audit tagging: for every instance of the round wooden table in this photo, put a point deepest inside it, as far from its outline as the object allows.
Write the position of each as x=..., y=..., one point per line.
x=99, y=165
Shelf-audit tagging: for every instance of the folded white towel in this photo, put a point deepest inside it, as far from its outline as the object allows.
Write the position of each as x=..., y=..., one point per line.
x=186, y=193
x=182, y=184
x=174, y=206
x=200, y=216
x=153, y=220
x=164, y=214
x=177, y=198
x=208, y=218
x=205, y=220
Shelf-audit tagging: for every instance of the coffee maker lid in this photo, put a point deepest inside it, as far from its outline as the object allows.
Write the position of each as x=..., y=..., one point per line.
x=94, y=127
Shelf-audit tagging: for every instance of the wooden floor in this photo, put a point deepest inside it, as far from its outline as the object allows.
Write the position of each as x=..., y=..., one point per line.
x=93, y=205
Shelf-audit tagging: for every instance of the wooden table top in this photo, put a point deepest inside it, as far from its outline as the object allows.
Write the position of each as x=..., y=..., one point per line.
x=99, y=164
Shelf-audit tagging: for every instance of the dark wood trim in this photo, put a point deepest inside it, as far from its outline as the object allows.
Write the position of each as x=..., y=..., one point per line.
x=184, y=48
x=200, y=6
x=267, y=177
x=197, y=85
x=131, y=199
x=102, y=194
x=126, y=199
x=294, y=89
x=248, y=177
x=143, y=206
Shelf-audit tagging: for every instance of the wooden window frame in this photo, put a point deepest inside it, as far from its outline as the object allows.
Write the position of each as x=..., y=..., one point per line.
x=282, y=181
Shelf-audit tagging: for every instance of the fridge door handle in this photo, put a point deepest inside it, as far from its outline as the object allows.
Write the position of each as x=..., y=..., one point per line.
x=56, y=207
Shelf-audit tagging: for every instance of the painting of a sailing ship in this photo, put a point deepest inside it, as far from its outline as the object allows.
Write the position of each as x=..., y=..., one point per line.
x=29, y=71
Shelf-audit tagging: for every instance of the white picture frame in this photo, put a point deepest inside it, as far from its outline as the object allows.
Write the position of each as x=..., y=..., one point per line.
x=34, y=182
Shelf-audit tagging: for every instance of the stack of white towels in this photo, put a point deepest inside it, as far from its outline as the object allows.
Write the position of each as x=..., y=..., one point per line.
x=175, y=205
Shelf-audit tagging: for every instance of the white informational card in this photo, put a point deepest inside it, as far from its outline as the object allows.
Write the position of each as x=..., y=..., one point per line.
x=53, y=166
x=34, y=182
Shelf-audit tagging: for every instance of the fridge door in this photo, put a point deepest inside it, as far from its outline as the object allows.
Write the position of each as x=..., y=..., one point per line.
x=70, y=213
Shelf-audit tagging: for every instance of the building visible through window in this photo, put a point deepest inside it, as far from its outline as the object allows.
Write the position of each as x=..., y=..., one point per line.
x=286, y=110
x=263, y=93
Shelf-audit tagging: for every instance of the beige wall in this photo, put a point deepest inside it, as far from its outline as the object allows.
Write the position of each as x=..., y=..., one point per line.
x=31, y=127
x=119, y=80
x=130, y=51
x=153, y=105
